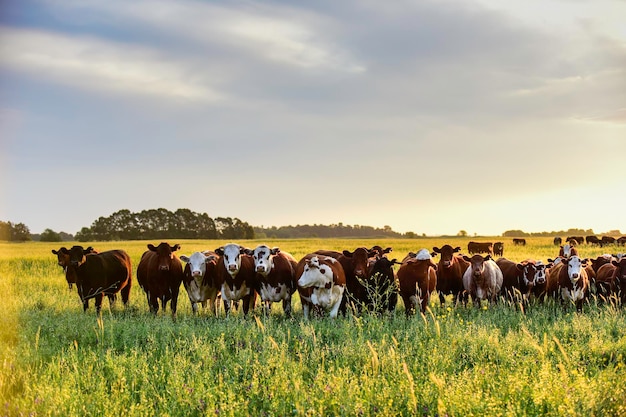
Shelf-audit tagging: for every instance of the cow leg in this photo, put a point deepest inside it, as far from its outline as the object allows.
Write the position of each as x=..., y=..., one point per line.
x=99, y=299
x=125, y=293
x=226, y=307
x=442, y=299
x=246, y=304
x=174, y=302
x=287, y=306
x=112, y=299
x=267, y=307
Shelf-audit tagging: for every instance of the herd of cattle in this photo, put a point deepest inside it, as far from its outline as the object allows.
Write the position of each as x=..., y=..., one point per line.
x=330, y=282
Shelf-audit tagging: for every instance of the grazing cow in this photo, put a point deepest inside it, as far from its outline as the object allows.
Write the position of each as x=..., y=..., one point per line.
x=63, y=259
x=201, y=280
x=592, y=240
x=607, y=240
x=384, y=292
x=576, y=240
x=498, y=249
x=621, y=241
x=483, y=279
x=160, y=274
x=321, y=283
x=450, y=271
x=519, y=242
x=355, y=267
x=557, y=241
x=276, y=273
x=237, y=276
x=100, y=274
x=573, y=281
x=417, y=278
x=479, y=247
x=605, y=282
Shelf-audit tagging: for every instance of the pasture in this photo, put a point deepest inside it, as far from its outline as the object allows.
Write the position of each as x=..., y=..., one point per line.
x=456, y=361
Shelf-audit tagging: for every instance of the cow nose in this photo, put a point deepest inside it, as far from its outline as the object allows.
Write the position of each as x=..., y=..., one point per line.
x=541, y=280
x=260, y=268
x=359, y=273
x=196, y=273
x=232, y=267
x=446, y=263
x=164, y=268
x=574, y=275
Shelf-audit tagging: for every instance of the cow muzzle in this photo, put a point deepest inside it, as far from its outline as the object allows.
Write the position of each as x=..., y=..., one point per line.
x=232, y=267
x=196, y=274
x=164, y=268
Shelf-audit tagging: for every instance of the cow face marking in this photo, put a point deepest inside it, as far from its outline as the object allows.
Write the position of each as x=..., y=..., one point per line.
x=197, y=263
x=315, y=275
x=574, y=267
x=263, y=259
x=232, y=258
x=477, y=265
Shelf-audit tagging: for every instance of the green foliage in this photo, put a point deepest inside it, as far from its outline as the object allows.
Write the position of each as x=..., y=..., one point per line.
x=56, y=360
x=50, y=235
x=14, y=232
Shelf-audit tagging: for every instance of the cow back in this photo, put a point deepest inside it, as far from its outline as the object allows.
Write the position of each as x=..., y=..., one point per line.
x=106, y=272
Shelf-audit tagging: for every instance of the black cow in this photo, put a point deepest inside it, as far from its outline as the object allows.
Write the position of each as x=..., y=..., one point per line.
x=160, y=274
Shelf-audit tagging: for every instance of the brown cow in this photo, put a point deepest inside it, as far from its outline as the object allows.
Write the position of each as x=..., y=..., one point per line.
x=160, y=274
x=605, y=283
x=321, y=283
x=450, y=270
x=573, y=281
x=498, y=249
x=63, y=259
x=519, y=242
x=607, y=240
x=100, y=274
x=384, y=295
x=483, y=279
x=201, y=279
x=417, y=278
x=620, y=276
x=237, y=276
x=480, y=247
x=276, y=273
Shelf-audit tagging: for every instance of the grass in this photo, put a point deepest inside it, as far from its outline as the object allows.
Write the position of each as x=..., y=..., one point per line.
x=56, y=360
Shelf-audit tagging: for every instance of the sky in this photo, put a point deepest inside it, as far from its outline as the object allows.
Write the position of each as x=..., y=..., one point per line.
x=426, y=116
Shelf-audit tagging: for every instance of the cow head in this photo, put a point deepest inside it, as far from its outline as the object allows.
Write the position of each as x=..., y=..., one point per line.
x=165, y=254
x=620, y=273
x=359, y=261
x=77, y=255
x=263, y=258
x=379, y=251
x=575, y=267
x=477, y=265
x=63, y=257
x=197, y=263
x=316, y=273
x=447, y=254
x=533, y=273
x=231, y=254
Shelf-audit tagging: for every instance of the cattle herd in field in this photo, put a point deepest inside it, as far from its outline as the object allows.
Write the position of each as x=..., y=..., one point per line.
x=331, y=282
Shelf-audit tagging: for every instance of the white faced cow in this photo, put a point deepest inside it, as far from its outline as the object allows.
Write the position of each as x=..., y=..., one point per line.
x=201, y=280
x=482, y=279
x=237, y=276
x=276, y=272
x=321, y=282
x=573, y=281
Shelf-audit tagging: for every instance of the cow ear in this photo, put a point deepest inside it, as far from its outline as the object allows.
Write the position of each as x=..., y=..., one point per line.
x=520, y=266
x=436, y=249
x=488, y=257
x=184, y=258
x=614, y=263
x=275, y=251
x=387, y=250
x=90, y=249
x=457, y=249
x=175, y=247
x=242, y=250
x=151, y=247
x=247, y=251
x=433, y=254
x=467, y=258
x=220, y=251
x=55, y=252
x=347, y=253
x=210, y=259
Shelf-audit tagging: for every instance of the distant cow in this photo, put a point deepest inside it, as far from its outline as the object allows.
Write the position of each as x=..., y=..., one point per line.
x=519, y=241
x=498, y=249
x=573, y=281
x=160, y=274
x=417, y=278
x=621, y=241
x=321, y=283
x=592, y=240
x=105, y=273
x=479, y=247
x=201, y=280
x=607, y=240
x=450, y=270
x=557, y=241
x=577, y=239
x=276, y=273
x=237, y=276
x=63, y=259
x=482, y=279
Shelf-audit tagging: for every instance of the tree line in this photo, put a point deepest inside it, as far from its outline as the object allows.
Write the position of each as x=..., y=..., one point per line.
x=328, y=231
x=568, y=232
x=14, y=232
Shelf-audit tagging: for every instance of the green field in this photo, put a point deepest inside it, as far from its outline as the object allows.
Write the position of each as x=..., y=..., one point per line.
x=463, y=361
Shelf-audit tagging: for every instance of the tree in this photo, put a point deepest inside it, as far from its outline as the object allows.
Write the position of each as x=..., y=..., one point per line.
x=50, y=235
x=462, y=233
x=19, y=232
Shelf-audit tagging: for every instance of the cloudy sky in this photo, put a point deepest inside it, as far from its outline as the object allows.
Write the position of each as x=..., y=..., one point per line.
x=427, y=116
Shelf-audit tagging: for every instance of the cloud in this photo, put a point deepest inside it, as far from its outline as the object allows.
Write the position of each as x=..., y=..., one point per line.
x=95, y=64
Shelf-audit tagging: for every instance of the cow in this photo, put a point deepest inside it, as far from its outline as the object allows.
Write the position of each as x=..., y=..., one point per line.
x=479, y=247
x=355, y=267
x=483, y=279
x=573, y=281
x=384, y=291
x=607, y=240
x=528, y=277
x=99, y=274
x=417, y=278
x=201, y=280
x=557, y=241
x=276, y=274
x=321, y=283
x=237, y=276
x=160, y=274
x=450, y=269
x=498, y=249
x=621, y=241
x=519, y=241
x=567, y=250
x=63, y=259
x=620, y=277
x=592, y=240
x=576, y=240
x=605, y=283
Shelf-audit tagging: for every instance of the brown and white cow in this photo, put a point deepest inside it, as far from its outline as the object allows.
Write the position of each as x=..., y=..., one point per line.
x=201, y=280
x=450, y=270
x=568, y=250
x=573, y=281
x=483, y=279
x=480, y=247
x=100, y=274
x=160, y=274
x=417, y=278
x=321, y=283
x=276, y=273
x=528, y=277
x=237, y=276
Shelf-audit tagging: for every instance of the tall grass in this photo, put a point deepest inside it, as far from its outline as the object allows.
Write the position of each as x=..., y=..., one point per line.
x=456, y=361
